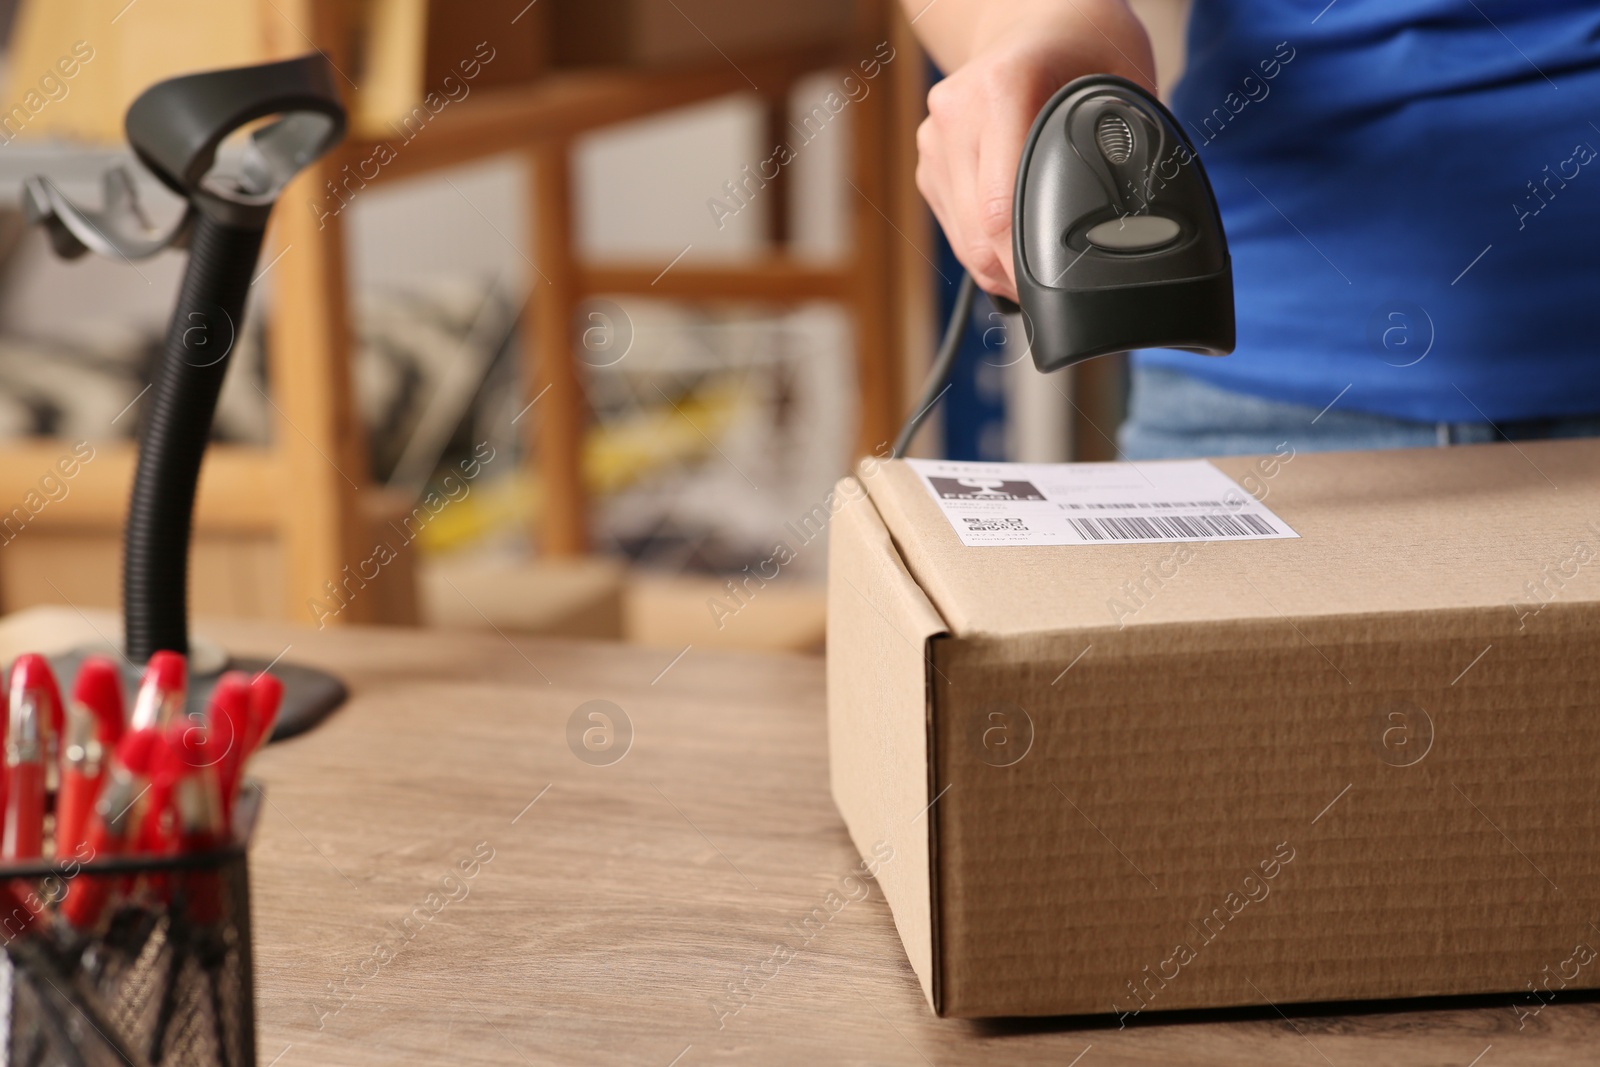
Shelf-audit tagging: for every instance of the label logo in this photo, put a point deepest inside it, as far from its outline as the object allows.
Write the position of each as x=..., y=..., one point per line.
x=984, y=489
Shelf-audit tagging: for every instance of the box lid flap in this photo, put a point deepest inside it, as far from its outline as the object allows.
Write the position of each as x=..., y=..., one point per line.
x=1502, y=525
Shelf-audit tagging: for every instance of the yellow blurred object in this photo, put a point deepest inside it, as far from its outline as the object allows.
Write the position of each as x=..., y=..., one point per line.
x=505, y=503
x=615, y=456
x=620, y=453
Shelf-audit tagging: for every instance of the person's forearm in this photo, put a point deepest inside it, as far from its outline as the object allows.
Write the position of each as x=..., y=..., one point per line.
x=954, y=30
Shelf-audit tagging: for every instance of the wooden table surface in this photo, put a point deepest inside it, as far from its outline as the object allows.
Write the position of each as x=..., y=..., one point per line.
x=605, y=910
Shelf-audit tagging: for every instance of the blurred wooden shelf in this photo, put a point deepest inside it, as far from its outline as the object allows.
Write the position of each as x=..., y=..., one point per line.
x=241, y=489
x=239, y=562
x=566, y=103
x=311, y=491
x=774, y=278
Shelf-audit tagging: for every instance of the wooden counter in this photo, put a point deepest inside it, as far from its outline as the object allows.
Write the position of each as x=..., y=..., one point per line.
x=609, y=907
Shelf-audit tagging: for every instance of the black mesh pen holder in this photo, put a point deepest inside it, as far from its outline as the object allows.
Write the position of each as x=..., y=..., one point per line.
x=164, y=978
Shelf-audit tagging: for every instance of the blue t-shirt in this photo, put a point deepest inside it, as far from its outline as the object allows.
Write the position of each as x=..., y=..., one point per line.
x=1411, y=192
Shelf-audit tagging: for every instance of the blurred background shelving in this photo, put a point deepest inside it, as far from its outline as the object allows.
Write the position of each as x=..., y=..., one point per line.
x=560, y=261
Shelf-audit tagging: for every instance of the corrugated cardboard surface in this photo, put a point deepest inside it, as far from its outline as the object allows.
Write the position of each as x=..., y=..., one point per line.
x=1374, y=714
x=879, y=624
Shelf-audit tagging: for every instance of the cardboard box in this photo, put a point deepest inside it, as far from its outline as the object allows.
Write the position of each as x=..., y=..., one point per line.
x=1357, y=764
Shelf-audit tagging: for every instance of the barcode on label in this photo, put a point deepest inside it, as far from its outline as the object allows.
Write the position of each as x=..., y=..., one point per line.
x=1141, y=505
x=986, y=525
x=1164, y=527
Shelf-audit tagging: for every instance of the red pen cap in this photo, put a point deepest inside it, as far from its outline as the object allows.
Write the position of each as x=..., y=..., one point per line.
x=31, y=671
x=230, y=722
x=166, y=670
x=229, y=716
x=139, y=751
x=164, y=676
x=266, y=693
x=98, y=688
x=143, y=753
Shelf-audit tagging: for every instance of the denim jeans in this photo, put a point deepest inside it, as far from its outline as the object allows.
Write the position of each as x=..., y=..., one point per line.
x=1175, y=416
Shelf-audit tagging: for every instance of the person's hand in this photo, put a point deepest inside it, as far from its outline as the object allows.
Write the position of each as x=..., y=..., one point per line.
x=979, y=115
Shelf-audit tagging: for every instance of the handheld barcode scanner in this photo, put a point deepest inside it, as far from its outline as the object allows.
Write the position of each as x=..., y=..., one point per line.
x=1117, y=243
x=207, y=138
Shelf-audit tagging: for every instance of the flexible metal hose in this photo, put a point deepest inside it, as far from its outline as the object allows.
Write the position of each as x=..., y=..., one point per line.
x=177, y=425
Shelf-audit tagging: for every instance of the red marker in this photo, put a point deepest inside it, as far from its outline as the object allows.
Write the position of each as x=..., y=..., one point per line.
x=155, y=833
x=161, y=692
x=112, y=828
x=190, y=763
x=244, y=710
x=31, y=674
x=94, y=727
x=23, y=836
x=266, y=694
x=229, y=725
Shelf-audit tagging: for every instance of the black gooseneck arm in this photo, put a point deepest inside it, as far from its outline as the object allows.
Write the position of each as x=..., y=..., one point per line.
x=177, y=426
